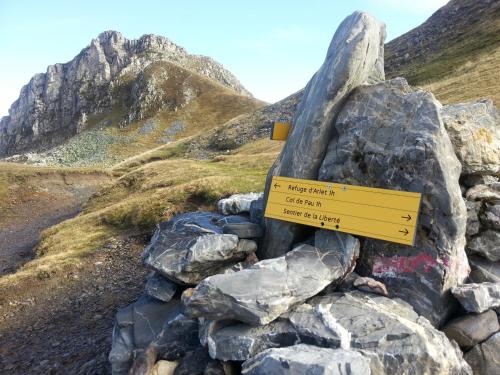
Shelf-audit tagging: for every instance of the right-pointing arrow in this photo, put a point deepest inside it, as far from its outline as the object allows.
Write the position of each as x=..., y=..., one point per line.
x=405, y=232
x=407, y=217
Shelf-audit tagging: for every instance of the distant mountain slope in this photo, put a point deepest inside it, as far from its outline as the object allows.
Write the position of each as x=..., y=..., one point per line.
x=455, y=53
x=113, y=79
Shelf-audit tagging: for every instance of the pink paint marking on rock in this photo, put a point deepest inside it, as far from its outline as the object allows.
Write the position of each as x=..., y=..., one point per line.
x=390, y=266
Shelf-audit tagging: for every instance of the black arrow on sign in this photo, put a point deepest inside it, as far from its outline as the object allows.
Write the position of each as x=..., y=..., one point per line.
x=404, y=231
x=276, y=185
x=407, y=217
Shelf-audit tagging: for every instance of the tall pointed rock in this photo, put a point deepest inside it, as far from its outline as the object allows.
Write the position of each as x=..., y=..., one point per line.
x=355, y=56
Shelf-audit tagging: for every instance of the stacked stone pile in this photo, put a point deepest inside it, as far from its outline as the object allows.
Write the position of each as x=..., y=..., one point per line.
x=234, y=292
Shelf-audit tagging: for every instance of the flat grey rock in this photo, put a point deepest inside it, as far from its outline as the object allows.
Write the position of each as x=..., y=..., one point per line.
x=484, y=358
x=472, y=329
x=482, y=270
x=243, y=230
x=474, y=130
x=404, y=342
x=239, y=342
x=160, y=288
x=486, y=244
x=478, y=297
x=355, y=56
x=307, y=359
x=390, y=136
x=237, y=203
x=261, y=293
x=191, y=246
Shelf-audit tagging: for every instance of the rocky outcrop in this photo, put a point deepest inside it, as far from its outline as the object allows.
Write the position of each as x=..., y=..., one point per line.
x=106, y=75
x=390, y=136
x=355, y=56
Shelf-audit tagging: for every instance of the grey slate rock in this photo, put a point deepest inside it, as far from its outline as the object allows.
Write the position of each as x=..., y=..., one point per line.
x=475, y=134
x=391, y=136
x=257, y=208
x=478, y=297
x=160, y=288
x=484, y=358
x=259, y=294
x=473, y=223
x=136, y=327
x=482, y=270
x=307, y=359
x=149, y=316
x=486, y=244
x=237, y=203
x=490, y=217
x=354, y=57
x=239, y=342
x=191, y=246
x=472, y=329
x=404, y=342
x=243, y=230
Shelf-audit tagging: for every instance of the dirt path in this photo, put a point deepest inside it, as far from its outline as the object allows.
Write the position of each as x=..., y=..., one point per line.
x=63, y=325
x=36, y=203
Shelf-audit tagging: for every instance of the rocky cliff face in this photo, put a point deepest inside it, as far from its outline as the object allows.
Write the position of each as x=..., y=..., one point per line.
x=106, y=76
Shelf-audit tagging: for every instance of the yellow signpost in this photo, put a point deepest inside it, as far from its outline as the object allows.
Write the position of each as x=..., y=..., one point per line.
x=389, y=215
x=280, y=130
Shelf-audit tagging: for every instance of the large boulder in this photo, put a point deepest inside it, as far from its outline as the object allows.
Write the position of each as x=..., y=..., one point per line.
x=404, y=342
x=478, y=298
x=474, y=130
x=484, y=358
x=392, y=137
x=191, y=246
x=261, y=293
x=355, y=56
x=307, y=359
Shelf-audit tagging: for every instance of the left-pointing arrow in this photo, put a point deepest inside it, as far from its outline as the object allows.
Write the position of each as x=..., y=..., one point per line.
x=276, y=185
x=405, y=232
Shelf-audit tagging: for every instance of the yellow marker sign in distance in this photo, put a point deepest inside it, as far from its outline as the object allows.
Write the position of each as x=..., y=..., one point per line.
x=280, y=130
x=388, y=215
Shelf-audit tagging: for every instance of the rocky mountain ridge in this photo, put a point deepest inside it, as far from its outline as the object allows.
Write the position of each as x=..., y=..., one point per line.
x=58, y=104
x=458, y=45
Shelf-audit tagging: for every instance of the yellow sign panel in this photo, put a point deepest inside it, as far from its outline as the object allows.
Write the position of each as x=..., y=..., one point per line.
x=388, y=215
x=280, y=131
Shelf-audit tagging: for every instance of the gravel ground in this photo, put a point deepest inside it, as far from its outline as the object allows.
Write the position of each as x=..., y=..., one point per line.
x=63, y=324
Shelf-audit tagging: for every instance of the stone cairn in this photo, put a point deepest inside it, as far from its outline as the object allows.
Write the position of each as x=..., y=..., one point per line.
x=232, y=292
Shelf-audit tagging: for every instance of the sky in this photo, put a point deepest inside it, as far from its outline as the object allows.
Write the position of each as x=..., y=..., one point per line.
x=273, y=47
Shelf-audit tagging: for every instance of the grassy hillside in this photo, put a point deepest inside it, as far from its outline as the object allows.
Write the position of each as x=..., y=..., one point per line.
x=143, y=195
x=455, y=53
